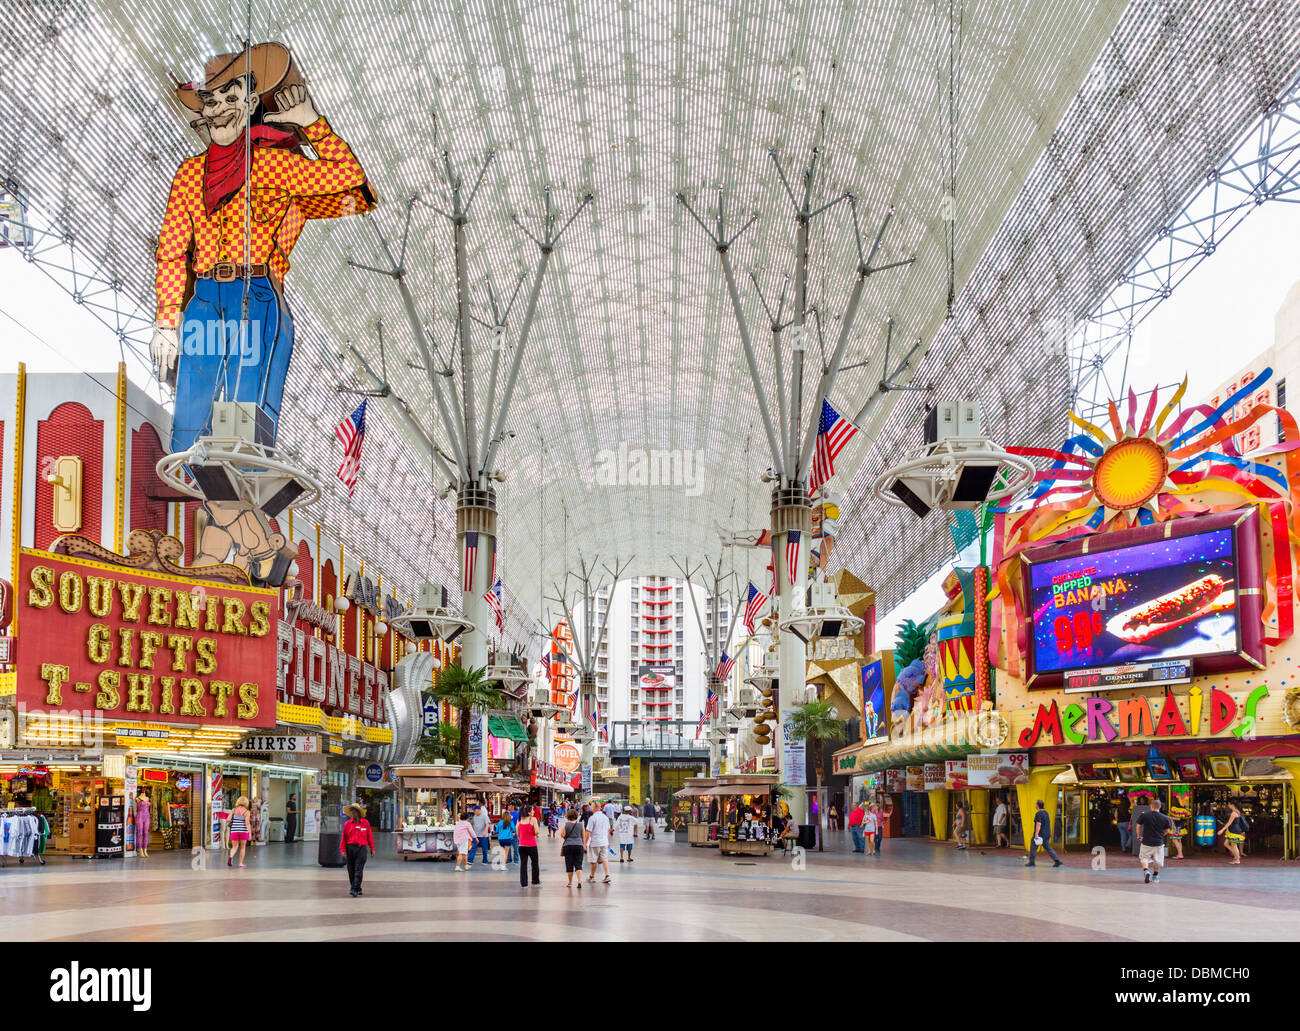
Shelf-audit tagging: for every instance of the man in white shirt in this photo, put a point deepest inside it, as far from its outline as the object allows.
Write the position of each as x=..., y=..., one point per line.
x=626, y=825
x=596, y=838
x=1000, y=816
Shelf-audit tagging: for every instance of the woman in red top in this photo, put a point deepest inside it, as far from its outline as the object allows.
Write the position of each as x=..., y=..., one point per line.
x=527, y=829
x=355, y=841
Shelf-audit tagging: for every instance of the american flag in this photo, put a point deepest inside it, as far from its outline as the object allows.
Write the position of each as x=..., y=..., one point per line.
x=351, y=433
x=792, y=554
x=493, y=598
x=546, y=665
x=471, y=555
x=757, y=599
x=723, y=671
x=832, y=434
x=700, y=729
x=711, y=708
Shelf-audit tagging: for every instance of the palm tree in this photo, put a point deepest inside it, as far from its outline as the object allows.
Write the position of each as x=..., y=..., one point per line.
x=819, y=723
x=467, y=690
x=442, y=743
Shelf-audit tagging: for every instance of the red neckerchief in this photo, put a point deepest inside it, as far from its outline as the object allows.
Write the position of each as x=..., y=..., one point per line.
x=223, y=169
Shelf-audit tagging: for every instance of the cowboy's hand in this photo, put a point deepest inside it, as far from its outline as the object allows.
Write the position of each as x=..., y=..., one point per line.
x=295, y=107
x=163, y=349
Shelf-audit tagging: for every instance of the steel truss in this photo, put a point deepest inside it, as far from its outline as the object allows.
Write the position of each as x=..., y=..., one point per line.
x=1265, y=166
x=53, y=249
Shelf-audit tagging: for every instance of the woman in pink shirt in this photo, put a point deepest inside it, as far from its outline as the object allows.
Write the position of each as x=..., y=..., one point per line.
x=527, y=829
x=462, y=834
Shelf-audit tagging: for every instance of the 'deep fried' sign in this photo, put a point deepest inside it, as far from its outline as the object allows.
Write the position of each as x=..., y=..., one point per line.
x=143, y=646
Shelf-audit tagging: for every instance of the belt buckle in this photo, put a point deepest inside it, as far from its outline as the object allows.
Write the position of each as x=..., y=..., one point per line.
x=224, y=272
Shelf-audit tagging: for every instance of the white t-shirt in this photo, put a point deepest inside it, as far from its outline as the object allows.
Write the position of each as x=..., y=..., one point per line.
x=611, y=811
x=1000, y=814
x=626, y=829
x=869, y=823
x=598, y=828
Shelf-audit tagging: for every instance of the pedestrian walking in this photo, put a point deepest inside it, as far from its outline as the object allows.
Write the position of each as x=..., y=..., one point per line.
x=240, y=822
x=961, y=826
x=552, y=822
x=626, y=826
x=1042, y=835
x=357, y=844
x=571, y=846
x=506, y=839
x=1000, y=817
x=1151, y=827
x=1234, y=833
x=1124, y=824
x=462, y=836
x=857, y=817
x=482, y=835
x=648, y=815
x=290, y=819
x=882, y=815
x=596, y=838
x=526, y=836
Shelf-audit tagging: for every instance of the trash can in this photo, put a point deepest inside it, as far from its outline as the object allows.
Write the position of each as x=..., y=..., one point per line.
x=808, y=836
x=327, y=852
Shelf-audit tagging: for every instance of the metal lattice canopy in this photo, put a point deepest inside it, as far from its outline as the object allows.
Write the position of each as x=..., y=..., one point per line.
x=635, y=343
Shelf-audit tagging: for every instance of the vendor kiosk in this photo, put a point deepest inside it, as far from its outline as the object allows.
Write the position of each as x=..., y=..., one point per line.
x=702, y=823
x=745, y=813
x=429, y=797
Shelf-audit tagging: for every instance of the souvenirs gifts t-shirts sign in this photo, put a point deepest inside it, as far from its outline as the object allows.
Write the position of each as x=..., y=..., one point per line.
x=143, y=646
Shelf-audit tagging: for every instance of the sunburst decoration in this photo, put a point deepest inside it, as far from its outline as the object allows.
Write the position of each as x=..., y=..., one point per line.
x=1144, y=471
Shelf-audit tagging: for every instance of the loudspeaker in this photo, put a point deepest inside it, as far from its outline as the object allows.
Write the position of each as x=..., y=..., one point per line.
x=905, y=494
x=215, y=483
x=974, y=484
x=283, y=497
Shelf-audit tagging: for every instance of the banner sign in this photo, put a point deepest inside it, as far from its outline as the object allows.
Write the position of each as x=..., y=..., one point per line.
x=310, y=668
x=566, y=756
x=993, y=770
x=896, y=780
x=478, y=764
x=793, y=755
x=544, y=771
x=875, y=720
x=586, y=779
x=915, y=778
x=954, y=775
x=141, y=645
x=936, y=776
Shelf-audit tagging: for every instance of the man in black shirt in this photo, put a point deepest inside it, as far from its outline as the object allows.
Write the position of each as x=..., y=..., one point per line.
x=1151, y=826
x=1042, y=835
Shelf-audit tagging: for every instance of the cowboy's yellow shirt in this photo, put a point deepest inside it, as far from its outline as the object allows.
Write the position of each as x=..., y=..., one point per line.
x=287, y=189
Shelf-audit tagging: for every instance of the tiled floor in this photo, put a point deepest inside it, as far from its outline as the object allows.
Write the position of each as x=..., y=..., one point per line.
x=674, y=892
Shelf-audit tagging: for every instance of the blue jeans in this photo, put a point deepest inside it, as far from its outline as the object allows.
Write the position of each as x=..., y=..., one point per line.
x=1125, y=836
x=859, y=838
x=880, y=836
x=484, y=843
x=215, y=363
x=1047, y=847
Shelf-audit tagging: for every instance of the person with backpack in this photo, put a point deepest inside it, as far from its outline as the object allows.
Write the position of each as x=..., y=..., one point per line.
x=1234, y=832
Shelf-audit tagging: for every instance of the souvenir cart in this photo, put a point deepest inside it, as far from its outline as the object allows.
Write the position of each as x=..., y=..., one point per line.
x=429, y=797
x=702, y=825
x=745, y=813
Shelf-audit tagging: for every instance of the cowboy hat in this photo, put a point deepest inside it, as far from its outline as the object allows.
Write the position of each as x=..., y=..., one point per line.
x=352, y=807
x=268, y=62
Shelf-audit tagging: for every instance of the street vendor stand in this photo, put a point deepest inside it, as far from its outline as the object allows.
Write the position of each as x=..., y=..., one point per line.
x=424, y=821
x=702, y=824
x=740, y=834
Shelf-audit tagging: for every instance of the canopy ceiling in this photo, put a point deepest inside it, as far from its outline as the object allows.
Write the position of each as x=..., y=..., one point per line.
x=635, y=344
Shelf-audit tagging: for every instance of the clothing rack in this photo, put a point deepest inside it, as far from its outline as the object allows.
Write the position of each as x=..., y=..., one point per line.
x=26, y=810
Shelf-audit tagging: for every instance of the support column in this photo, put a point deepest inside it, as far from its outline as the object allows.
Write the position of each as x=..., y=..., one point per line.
x=938, y=813
x=718, y=688
x=1040, y=786
x=791, y=522
x=586, y=706
x=979, y=815
x=476, y=512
